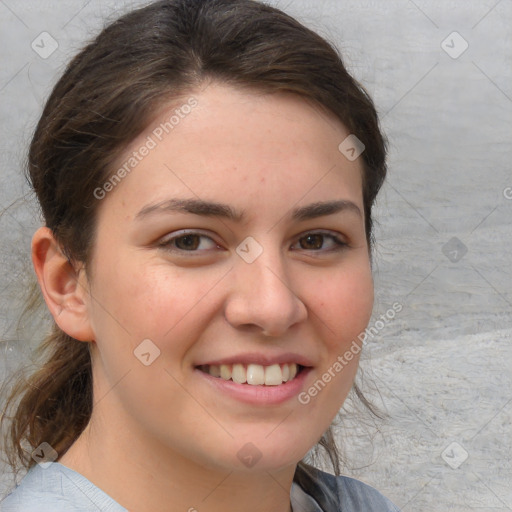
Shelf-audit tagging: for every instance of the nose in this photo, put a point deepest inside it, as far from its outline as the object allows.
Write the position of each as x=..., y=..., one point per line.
x=262, y=298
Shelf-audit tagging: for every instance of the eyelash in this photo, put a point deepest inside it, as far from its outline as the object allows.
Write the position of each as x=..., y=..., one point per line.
x=339, y=244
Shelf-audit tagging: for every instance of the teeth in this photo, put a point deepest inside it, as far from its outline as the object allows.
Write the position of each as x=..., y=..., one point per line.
x=215, y=370
x=239, y=374
x=225, y=371
x=255, y=374
x=273, y=375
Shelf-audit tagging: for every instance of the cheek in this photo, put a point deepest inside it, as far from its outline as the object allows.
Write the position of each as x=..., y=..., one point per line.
x=343, y=311
x=154, y=301
x=345, y=304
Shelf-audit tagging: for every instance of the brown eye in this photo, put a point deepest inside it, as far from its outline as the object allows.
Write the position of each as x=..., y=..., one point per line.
x=320, y=242
x=187, y=242
x=312, y=242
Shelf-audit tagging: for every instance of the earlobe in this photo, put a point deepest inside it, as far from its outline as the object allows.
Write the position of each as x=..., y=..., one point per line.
x=65, y=289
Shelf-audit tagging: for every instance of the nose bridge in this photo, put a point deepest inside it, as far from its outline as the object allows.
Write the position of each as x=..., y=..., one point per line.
x=264, y=277
x=263, y=294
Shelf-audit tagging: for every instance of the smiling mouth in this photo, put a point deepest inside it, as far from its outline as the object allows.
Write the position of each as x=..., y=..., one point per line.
x=254, y=374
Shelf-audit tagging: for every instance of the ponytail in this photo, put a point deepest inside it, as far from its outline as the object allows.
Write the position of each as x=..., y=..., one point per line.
x=54, y=405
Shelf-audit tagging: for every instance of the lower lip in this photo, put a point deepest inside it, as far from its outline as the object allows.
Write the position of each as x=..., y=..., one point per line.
x=258, y=395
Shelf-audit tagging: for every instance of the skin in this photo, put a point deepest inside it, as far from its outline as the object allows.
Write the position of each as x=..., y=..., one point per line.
x=160, y=438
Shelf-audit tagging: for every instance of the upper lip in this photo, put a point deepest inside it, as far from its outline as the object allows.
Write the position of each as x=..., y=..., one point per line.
x=261, y=359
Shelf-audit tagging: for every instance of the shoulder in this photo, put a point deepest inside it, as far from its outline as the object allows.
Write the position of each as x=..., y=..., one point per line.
x=57, y=489
x=341, y=493
x=355, y=494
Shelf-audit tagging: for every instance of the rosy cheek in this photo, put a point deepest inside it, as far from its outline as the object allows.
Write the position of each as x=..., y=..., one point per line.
x=167, y=306
x=346, y=303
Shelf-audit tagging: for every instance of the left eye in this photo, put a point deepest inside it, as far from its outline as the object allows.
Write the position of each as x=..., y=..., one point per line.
x=189, y=242
x=319, y=241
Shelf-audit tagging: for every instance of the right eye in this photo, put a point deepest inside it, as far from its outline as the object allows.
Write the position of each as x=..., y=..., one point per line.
x=188, y=241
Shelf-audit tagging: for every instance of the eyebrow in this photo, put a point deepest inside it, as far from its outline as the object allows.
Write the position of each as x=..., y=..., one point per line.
x=195, y=206
x=214, y=209
x=322, y=209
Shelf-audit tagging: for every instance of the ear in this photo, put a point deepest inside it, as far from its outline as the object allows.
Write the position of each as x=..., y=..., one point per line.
x=65, y=289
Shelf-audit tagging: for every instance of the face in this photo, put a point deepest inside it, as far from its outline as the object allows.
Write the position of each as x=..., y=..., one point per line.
x=236, y=248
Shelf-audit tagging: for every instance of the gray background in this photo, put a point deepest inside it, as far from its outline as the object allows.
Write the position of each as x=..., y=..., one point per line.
x=442, y=368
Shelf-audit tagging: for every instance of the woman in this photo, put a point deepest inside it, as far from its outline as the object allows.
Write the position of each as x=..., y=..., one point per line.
x=206, y=172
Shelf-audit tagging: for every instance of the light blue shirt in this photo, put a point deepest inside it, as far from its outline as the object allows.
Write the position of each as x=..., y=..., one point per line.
x=58, y=488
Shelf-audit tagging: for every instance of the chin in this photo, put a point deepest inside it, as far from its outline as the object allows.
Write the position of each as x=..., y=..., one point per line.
x=265, y=452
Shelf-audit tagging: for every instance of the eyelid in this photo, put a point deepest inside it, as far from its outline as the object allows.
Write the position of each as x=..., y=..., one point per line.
x=165, y=242
x=337, y=237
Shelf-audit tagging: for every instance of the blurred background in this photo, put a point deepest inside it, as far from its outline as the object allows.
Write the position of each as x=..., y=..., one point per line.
x=441, y=75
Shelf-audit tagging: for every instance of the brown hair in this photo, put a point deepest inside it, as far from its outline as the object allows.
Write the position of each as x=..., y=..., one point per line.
x=105, y=98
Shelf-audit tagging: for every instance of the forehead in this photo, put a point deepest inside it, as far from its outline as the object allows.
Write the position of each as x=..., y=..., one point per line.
x=240, y=147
